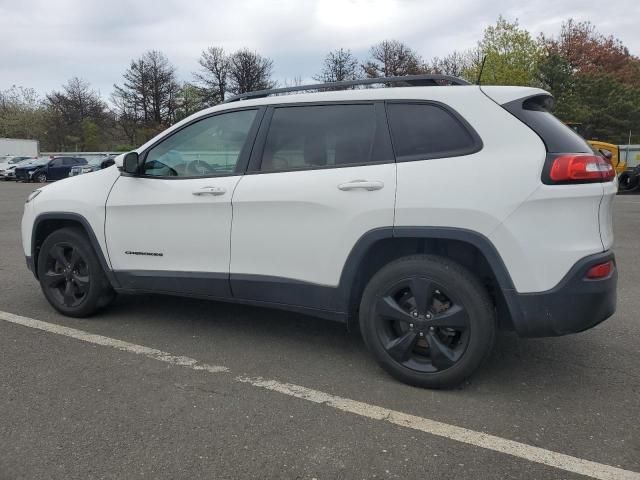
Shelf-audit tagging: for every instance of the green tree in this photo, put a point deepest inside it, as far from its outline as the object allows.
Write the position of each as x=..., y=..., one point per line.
x=22, y=114
x=191, y=99
x=595, y=81
x=512, y=55
x=90, y=135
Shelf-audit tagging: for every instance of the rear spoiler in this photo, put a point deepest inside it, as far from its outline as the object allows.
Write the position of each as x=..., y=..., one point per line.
x=502, y=95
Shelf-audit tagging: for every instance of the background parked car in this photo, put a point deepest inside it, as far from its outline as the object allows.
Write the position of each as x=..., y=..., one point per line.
x=8, y=173
x=55, y=169
x=107, y=162
x=24, y=167
x=8, y=160
x=7, y=164
x=93, y=165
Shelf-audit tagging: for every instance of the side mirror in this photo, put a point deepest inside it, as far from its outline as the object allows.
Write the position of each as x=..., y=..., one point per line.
x=130, y=163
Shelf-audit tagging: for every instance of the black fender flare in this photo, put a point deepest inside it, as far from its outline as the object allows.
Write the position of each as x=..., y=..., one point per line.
x=74, y=217
x=476, y=239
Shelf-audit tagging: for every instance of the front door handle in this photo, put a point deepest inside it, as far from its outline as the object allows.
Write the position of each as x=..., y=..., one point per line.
x=210, y=191
x=365, y=184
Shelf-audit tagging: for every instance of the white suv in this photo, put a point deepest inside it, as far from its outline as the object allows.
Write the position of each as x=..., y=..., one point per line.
x=432, y=214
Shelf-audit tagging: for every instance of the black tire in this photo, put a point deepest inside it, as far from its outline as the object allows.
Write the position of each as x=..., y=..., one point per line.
x=41, y=178
x=70, y=274
x=628, y=181
x=437, y=345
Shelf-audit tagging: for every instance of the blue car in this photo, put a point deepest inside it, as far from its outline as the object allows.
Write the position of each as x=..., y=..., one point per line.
x=55, y=169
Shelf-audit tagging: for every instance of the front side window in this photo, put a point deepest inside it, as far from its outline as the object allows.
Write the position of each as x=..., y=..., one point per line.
x=209, y=147
x=56, y=162
x=319, y=136
x=422, y=131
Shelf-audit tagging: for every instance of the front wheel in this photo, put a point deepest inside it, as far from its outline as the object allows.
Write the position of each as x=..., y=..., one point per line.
x=70, y=274
x=427, y=321
x=41, y=178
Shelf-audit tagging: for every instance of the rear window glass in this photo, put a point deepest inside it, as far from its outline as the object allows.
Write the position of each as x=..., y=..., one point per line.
x=423, y=131
x=320, y=136
x=557, y=137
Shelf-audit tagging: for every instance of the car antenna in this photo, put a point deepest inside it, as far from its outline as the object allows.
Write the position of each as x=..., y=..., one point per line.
x=484, y=59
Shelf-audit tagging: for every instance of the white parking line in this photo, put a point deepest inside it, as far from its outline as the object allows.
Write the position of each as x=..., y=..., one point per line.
x=111, y=342
x=542, y=456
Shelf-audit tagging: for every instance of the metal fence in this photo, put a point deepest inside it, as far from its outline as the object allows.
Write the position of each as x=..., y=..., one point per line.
x=630, y=154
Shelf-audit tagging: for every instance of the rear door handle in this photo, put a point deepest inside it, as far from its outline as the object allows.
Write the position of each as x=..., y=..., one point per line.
x=364, y=184
x=210, y=191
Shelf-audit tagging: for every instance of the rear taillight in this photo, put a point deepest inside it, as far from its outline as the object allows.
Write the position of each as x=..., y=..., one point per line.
x=579, y=168
x=602, y=270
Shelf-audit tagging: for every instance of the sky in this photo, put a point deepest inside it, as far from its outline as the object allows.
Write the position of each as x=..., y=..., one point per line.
x=43, y=43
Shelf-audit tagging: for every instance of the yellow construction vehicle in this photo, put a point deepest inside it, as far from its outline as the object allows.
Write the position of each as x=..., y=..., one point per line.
x=611, y=152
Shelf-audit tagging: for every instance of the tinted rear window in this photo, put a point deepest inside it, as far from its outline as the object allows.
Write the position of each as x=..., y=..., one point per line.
x=557, y=137
x=423, y=131
x=303, y=137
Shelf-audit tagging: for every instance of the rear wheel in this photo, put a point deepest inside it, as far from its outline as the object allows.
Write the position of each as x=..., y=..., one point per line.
x=427, y=321
x=70, y=274
x=628, y=181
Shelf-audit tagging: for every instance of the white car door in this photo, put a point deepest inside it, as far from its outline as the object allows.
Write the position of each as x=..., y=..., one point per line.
x=321, y=176
x=168, y=228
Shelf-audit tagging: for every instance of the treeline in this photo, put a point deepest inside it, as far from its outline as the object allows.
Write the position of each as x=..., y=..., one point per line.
x=594, y=78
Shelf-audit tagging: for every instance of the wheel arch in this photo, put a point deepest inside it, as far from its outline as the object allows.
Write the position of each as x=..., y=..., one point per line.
x=471, y=249
x=47, y=223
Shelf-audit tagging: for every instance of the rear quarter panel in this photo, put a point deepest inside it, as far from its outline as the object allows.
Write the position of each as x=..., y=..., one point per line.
x=479, y=191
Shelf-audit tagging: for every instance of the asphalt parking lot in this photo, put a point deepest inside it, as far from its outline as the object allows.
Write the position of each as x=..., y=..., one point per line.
x=257, y=393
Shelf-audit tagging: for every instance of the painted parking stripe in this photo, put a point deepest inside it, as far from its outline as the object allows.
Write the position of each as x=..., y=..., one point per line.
x=452, y=432
x=539, y=455
x=111, y=342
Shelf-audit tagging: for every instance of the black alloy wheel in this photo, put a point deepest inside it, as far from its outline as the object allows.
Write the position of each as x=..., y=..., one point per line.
x=71, y=275
x=67, y=275
x=421, y=326
x=427, y=320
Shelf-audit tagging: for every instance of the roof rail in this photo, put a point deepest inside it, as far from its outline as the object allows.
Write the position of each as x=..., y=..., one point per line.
x=408, y=80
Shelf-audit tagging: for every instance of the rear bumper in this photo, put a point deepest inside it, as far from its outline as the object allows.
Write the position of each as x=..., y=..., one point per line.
x=574, y=305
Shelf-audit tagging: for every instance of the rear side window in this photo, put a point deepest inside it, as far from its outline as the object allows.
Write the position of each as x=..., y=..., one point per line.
x=306, y=137
x=535, y=112
x=423, y=131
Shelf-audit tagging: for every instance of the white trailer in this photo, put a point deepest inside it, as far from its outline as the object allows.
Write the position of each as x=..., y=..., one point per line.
x=19, y=147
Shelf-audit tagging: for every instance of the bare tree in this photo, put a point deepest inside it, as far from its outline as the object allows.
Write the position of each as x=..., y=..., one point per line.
x=213, y=75
x=79, y=112
x=293, y=82
x=148, y=96
x=249, y=71
x=463, y=64
x=392, y=58
x=339, y=65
